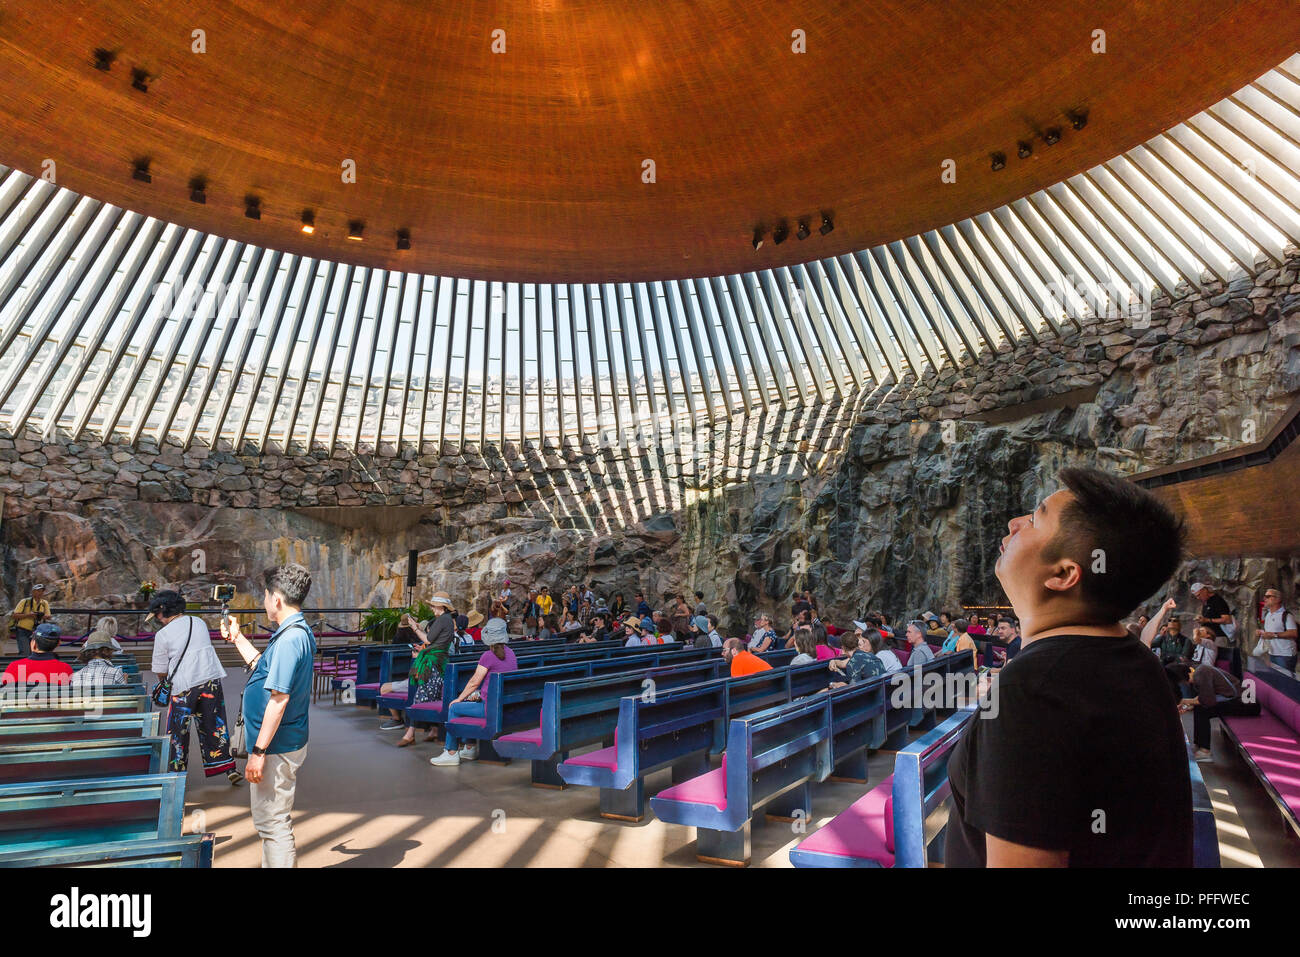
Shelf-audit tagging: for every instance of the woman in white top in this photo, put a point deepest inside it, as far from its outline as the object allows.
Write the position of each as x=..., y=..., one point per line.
x=183, y=652
x=1279, y=631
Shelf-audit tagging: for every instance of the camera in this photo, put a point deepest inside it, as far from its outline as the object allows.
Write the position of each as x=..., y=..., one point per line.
x=224, y=594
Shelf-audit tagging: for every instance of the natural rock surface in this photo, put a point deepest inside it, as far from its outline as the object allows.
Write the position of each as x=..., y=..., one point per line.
x=894, y=498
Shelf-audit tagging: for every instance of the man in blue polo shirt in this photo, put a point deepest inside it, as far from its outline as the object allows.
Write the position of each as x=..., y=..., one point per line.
x=276, y=702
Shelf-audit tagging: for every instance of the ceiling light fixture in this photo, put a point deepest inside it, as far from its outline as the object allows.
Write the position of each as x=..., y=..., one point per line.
x=1052, y=137
x=140, y=79
x=1024, y=150
x=780, y=233
x=252, y=207
x=758, y=238
x=308, y=222
x=999, y=161
x=1078, y=119
x=403, y=239
x=803, y=232
x=355, y=229
x=104, y=59
x=827, y=224
x=141, y=171
x=198, y=190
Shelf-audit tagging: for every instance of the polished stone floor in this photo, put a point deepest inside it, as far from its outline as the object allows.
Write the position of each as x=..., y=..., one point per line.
x=362, y=802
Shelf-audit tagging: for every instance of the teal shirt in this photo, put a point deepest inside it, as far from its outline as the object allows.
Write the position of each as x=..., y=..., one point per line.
x=285, y=666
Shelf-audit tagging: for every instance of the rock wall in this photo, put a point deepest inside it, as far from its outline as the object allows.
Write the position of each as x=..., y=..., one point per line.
x=894, y=498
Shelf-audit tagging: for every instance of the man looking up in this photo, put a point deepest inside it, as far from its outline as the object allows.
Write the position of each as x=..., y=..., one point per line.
x=1083, y=763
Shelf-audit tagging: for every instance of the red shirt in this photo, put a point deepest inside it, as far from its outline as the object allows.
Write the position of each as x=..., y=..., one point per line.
x=747, y=663
x=39, y=668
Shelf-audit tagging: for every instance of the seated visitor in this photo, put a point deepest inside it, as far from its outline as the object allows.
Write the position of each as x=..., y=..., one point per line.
x=424, y=682
x=1278, y=634
x=715, y=637
x=887, y=657
x=700, y=632
x=934, y=630
x=919, y=643
x=975, y=626
x=40, y=666
x=859, y=664
x=96, y=657
x=806, y=646
x=763, y=637
x=643, y=609
x=635, y=633
x=473, y=701
x=958, y=639
x=1171, y=645
x=1028, y=778
x=618, y=606
x=742, y=662
x=463, y=637
x=1008, y=633
x=1215, y=694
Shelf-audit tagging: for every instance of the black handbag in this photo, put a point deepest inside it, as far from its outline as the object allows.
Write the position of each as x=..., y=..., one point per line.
x=162, y=691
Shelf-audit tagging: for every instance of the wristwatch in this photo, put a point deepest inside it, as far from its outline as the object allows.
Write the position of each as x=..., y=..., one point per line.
x=260, y=752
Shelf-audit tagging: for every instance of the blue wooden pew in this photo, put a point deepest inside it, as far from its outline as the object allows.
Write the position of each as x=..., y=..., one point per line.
x=190, y=850
x=772, y=758
x=584, y=711
x=457, y=674
x=678, y=729
x=886, y=827
x=83, y=760
x=40, y=815
x=56, y=704
x=515, y=697
x=79, y=727
x=1205, y=833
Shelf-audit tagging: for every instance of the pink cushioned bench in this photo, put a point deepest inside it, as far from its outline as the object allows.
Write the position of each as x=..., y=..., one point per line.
x=862, y=835
x=604, y=758
x=1270, y=744
x=531, y=736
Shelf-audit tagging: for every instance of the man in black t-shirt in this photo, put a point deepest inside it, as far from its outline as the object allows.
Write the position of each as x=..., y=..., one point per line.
x=1083, y=762
x=1217, y=616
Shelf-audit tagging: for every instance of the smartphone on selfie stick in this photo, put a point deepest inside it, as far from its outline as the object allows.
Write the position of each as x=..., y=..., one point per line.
x=224, y=594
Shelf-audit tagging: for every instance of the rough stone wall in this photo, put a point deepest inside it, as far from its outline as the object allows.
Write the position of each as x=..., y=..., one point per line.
x=893, y=499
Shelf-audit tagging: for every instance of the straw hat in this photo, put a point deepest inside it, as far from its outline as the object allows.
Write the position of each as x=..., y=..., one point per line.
x=441, y=598
x=475, y=619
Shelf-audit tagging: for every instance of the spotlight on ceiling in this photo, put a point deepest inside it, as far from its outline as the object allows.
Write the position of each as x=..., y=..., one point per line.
x=355, y=229
x=198, y=190
x=758, y=238
x=803, y=232
x=1078, y=119
x=104, y=59
x=140, y=79
x=827, y=224
x=308, y=222
x=141, y=171
x=252, y=207
x=403, y=239
x=780, y=233
x=999, y=161
x=1052, y=136
x=1024, y=150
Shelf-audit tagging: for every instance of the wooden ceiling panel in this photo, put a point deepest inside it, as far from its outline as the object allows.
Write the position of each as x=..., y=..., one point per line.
x=527, y=165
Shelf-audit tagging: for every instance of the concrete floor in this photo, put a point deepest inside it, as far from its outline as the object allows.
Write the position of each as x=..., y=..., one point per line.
x=361, y=802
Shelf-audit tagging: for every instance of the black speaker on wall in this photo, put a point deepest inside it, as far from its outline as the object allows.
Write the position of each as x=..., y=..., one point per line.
x=412, y=559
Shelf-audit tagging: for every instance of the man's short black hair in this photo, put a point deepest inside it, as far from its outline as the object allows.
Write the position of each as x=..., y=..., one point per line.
x=700, y=595
x=293, y=582
x=168, y=601
x=1132, y=538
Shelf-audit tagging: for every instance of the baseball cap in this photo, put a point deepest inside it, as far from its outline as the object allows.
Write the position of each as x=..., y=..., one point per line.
x=1197, y=586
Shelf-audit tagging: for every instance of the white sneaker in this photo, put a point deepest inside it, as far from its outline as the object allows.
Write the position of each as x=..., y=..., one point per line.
x=469, y=752
x=1202, y=755
x=448, y=759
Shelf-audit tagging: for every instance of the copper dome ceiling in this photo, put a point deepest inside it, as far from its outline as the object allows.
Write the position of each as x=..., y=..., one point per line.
x=530, y=164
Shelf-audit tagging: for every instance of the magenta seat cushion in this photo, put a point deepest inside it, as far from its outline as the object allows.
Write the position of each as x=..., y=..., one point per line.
x=903, y=654
x=707, y=788
x=865, y=829
x=369, y=686
x=604, y=758
x=427, y=706
x=476, y=722
x=531, y=736
x=1274, y=749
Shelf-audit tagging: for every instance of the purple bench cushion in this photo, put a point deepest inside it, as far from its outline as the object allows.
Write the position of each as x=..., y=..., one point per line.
x=427, y=707
x=707, y=788
x=864, y=830
x=368, y=686
x=1273, y=747
x=532, y=736
x=1277, y=703
x=902, y=654
x=604, y=758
